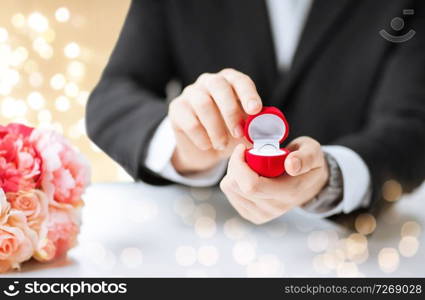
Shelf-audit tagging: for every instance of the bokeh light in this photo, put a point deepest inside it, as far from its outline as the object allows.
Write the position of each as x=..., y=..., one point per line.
x=388, y=260
x=365, y=224
x=392, y=190
x=72, y=50
x=411, y=228
x=208, y=255
x=408, y=246
x=62, y=14
x=38, y=22
x=244, y=252
x=51, y=56
x=186, y=255
x=4, y=35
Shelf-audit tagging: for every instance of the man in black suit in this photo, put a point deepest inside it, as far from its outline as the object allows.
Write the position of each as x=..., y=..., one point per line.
x=323, y=63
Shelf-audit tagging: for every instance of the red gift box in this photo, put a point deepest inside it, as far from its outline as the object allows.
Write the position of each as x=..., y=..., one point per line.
x=266, y=130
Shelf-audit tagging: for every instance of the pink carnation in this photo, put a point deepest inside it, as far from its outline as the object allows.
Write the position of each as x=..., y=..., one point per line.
x=20, y=163
x=65, y=172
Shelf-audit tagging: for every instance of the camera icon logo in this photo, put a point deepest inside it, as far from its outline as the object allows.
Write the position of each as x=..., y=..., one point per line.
x=11, y=290
x=397, y=24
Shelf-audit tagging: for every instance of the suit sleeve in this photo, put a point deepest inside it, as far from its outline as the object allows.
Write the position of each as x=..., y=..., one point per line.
x=129, y=102
x=392, y=142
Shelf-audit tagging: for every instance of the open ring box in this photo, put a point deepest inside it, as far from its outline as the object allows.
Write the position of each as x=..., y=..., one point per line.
x=266, y=130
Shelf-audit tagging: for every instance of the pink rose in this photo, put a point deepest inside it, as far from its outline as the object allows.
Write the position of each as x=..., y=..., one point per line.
x=65, y=172
x=20, y=163
x=17, y=241
x=62, y=231
x=33, y=204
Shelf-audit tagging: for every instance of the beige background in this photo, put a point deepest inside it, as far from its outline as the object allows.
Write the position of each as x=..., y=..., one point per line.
x=69, y=39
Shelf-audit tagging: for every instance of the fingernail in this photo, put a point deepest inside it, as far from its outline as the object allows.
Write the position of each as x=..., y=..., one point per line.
x=296, y=164
x=252, y=105
x=238, y=132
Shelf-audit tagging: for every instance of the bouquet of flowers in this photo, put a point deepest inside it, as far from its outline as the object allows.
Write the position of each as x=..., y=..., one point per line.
x=42, y=179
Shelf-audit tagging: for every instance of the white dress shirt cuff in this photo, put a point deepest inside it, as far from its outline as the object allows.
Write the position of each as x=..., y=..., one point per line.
x=158, y=160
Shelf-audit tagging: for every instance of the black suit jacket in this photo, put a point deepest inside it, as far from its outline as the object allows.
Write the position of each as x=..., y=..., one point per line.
x=347, y=86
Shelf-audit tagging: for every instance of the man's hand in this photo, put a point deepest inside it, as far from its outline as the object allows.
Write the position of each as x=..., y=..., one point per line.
x=207, y=116
x=259, y=199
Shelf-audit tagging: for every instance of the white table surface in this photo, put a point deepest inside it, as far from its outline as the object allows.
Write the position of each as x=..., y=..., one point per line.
x=140, y=230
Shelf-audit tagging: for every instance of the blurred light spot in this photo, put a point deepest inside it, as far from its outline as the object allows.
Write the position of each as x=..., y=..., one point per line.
x=201, y=194
x=205, y=227
x=208, y=255
x=361, y=257
x=38, y=22
x=71, y=89
x=62, y=14
x=186, y=255
x=205, y=210
x=5, y=89
x=202, y=210
x=36, y=79
x=392, y=190
x=333, y=258
x=244, y=252
x=411, y=228
x=355, y=245
x=388, y=259
x=408, y=246
x=72, y=50
x=44, y=116
x=8, y=107
x=13, y=77
x=18, y=20
x=19, y=56
x=35, y=100
x=62, y=103
x=365, y=224
x=317, y=241
x=57, y=81
x=347, y=269
x=43, y=49
x=30, y=66
x=49, y=35
x=131, y=257
x=4, y=35
x=184, y=206
x=235, y=228
x=76, y=69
